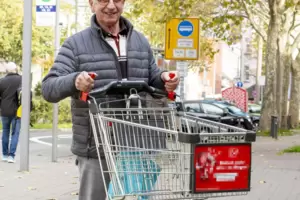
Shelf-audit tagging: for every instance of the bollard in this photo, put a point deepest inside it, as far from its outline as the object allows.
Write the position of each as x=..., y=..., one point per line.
x=274, y=127
x=289, y=122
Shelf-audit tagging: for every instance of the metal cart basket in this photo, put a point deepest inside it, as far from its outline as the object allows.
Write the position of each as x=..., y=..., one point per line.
x=161, y=153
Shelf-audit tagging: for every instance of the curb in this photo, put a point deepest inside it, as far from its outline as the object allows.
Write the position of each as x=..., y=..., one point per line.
x=60, y=129
x=44, y=130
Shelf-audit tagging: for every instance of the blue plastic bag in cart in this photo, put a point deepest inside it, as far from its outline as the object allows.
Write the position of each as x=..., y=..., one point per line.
x=137, y=174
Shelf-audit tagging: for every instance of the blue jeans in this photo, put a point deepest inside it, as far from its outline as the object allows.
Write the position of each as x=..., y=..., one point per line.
x=13, y=124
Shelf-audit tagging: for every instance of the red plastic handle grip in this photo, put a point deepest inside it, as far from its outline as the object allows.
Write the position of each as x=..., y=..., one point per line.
x=84, y=95
x=171, y=75
x=171, y=95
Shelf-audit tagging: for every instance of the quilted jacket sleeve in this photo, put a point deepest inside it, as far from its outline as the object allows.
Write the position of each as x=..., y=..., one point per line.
x=59, y=83
x=155, y=73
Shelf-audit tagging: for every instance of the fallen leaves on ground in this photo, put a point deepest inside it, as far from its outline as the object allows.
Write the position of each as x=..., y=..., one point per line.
x=74, y=193
x=31, y=188
x=262, y=182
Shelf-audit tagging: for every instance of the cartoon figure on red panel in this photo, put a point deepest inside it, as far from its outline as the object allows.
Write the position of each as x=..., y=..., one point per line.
x=206, y=162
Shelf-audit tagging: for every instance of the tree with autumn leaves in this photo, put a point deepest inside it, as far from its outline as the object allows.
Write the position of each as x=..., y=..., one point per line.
x=11, y=30
x=150, y=17
x=275, y=22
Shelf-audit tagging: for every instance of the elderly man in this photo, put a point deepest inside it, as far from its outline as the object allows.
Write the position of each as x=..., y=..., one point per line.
x=113, y=50
x=9, y=105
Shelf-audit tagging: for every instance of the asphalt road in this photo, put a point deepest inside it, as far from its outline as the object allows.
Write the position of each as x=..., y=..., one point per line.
x=41, y=143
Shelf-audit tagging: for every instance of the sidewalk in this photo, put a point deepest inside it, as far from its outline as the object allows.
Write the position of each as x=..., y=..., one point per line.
x=45, y=181
x=274, y=177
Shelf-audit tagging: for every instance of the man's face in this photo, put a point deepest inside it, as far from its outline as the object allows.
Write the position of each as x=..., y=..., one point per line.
x=108, y=12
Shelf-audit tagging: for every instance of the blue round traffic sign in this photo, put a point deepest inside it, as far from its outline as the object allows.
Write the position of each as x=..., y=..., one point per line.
x=239, y=84
x=185, y=28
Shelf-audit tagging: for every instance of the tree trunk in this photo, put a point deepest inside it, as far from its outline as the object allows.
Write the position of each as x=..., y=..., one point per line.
x=269, y=107
x=295, y=92
x=286, y=83
x=279, y=79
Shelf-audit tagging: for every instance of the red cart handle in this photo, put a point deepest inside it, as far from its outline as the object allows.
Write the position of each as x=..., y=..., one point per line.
x=84, y=95
x=171, y=95
x=171, y=75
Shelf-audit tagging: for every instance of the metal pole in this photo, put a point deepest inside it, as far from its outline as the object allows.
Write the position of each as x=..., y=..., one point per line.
x=55, y=106
x=76, y=16
x=259, y=67
x=180, y=66
x=204, y=81
x=242, y=70
x=214, y=83
x=26, y=73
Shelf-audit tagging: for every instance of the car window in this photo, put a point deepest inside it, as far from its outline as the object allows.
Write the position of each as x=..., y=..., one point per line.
x=221, y=105
x=212, y=109
x=234, y=109
x=192, y=107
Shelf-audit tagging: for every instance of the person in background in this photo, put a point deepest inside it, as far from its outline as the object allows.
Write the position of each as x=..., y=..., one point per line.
x=114, y=50
x=9, y=105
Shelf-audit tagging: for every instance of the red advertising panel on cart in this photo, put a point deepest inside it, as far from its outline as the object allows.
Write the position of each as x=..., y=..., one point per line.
x=222, y=168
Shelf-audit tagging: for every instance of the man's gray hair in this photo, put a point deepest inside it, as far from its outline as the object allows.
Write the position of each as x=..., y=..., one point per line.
x=11, y=67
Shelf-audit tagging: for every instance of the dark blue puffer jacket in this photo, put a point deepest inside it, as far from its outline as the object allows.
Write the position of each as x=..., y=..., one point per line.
x=88, y=51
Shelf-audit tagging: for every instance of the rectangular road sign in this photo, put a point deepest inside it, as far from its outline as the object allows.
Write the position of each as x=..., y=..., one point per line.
x=182, y=39
x=45, y=12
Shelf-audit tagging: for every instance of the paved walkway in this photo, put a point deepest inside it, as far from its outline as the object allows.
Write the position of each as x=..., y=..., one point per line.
x=44, y=181
x=274, y=177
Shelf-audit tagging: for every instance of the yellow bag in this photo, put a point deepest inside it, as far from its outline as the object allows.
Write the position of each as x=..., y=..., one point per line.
x=19, y=111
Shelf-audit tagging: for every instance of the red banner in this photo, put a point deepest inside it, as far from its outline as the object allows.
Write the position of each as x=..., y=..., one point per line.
x=222, y=168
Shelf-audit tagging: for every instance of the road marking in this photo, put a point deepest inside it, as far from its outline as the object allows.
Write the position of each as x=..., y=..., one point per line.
x=38, y=139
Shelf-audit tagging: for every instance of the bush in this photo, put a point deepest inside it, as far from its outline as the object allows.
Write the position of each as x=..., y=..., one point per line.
x=38, y=90
x=43, y=112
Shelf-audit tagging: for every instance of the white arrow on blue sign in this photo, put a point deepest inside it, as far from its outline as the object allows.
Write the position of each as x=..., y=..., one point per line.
x=185, y=28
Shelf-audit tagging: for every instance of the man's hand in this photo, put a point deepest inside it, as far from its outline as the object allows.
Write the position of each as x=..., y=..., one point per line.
x=170, y=83
x=84, y=82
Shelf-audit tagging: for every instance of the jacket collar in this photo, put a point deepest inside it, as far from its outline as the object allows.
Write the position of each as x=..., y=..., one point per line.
x=125, y=26
x=12, y=74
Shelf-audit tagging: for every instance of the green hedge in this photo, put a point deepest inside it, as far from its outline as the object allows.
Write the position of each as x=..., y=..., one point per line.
x=43, y=112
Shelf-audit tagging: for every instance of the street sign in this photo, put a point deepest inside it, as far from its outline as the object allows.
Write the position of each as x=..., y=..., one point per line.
x=182, y=68
x=45, y=12
x=239, y=84
x=182, y=39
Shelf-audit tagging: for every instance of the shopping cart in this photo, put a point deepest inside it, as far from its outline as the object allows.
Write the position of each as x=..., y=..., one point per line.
x=161, y=153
